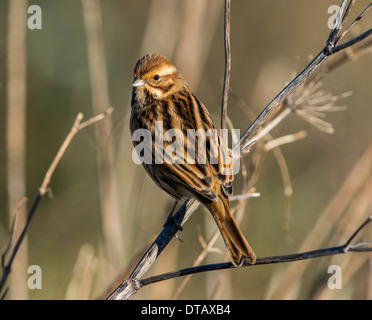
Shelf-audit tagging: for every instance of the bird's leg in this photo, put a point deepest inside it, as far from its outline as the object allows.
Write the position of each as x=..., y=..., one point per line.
x=170, y=219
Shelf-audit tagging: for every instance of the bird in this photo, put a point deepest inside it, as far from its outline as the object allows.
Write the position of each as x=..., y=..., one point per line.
x=186, y=156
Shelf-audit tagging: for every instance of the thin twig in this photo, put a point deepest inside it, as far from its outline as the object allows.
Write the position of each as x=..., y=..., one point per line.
x=76, y=127
x=42, y=190
x=285, y=139
x=96, y=118
x=351, y=53
x=7, y=266
x=347, y=244
x=11, y=233
x=351, y=42
x=339, y=21
x=354, y=22
x=226, y=81
x=60, y=153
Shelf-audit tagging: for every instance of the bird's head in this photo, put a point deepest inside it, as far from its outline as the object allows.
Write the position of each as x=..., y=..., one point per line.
x=154, y=74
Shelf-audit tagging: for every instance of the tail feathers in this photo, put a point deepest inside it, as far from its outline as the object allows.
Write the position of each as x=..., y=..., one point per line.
x=237, y=245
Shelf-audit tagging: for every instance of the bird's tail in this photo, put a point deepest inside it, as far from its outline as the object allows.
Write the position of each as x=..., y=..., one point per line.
x=238, y=246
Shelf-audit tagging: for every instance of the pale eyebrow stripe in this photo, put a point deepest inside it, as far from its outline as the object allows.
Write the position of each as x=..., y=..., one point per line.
x=166, y=70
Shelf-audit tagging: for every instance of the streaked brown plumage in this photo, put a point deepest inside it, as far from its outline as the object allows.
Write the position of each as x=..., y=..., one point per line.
x=161, y=94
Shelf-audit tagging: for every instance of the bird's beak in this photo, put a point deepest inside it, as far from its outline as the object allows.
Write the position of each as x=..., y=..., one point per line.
x=137, y=82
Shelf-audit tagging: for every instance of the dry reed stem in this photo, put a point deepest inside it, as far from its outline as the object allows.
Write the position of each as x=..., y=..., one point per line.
x=196, y=31
x=80, y=284
x=161, y=34
x=109, y=200
x=16, y=134
x=359, y=207
x=332, y=213
x=224, y=103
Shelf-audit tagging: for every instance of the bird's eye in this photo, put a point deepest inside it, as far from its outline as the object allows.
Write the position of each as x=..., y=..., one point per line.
x=156, y=77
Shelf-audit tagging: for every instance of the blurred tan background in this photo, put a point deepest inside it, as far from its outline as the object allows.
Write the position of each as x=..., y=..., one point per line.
x=70, y=236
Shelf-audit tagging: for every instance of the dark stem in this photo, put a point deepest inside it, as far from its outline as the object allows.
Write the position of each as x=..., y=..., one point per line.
x=268, y=260
x=348, y=242
x=229, y=265
x=128, y=287
x=7, y=266
x=245, y=139
x=351, y=42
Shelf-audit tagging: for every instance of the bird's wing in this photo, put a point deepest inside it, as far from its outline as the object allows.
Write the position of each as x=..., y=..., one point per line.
x=197, y=158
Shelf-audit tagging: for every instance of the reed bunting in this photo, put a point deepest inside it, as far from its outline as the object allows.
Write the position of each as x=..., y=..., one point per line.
x=187, y=156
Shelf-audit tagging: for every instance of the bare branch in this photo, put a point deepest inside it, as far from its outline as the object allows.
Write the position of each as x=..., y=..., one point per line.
x=96, y=118
x=248, y=136
x=226, y=81
x=130, y=286
x=107, y=179
x=309, y=70
x=340, y=21
x=42, y=190
x=353, y=23
x=351, y=42
x=359, y=247
x=60, y=153
x=348, y=242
